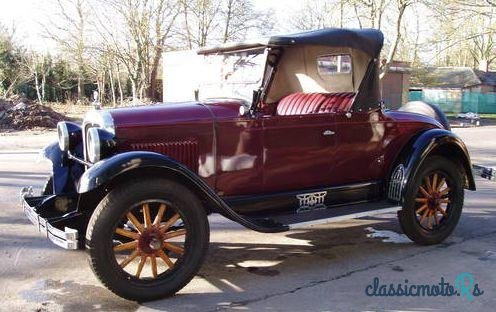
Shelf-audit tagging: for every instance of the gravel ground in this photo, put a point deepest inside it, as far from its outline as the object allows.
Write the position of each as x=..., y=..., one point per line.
x=325, y=268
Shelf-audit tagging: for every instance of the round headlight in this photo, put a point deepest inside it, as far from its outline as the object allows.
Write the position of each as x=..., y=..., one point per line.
x=93, y=145
x=100, y=144
x=63, y=134
x=69, y=135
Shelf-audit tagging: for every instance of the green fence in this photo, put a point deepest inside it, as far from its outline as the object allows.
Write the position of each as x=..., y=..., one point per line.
x=457, y=101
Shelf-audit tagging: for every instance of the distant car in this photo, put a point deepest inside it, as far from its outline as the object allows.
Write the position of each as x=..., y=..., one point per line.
x=134, y=185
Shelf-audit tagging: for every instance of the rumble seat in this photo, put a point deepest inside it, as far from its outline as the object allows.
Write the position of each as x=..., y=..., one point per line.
x=314, y=103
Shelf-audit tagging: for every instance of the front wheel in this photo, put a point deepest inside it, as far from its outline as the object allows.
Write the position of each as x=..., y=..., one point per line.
x=434, y=202
x=147, y=240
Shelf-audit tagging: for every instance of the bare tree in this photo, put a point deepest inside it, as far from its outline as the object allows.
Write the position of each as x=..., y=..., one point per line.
x=138, y=41
x=401, y=6
x=314, y=14
x=70, y=32
x=201, y=21
x=239, y=17
x=366, y=13
x=37, y=67
x=466, y=32
x=11, y=68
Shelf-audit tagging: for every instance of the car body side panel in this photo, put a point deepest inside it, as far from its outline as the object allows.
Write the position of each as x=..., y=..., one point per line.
x=238, y=148
x=297, y=151
x=104, y=172
x=243, y=155
x=239, y=156
x=369, y=143
x=402, y=130
x=183, y=131
x=360, y=150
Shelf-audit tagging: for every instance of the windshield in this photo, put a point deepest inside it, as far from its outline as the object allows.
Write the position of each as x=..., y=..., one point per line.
x=233, y=75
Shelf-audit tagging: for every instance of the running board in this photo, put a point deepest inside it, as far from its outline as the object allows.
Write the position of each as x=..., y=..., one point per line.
x=327, y=215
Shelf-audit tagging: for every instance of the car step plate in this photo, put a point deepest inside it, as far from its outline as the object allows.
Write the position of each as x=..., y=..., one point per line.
x=331, y=214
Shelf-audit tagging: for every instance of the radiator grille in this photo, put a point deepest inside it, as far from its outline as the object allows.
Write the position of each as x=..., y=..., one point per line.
x=396, y=183
x=186, y=152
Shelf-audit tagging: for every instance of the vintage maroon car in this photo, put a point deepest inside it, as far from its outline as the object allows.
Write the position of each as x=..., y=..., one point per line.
x=134, y=185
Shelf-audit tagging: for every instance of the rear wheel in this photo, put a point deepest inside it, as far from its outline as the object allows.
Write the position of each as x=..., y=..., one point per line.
x=147, y=240
x=433, y=204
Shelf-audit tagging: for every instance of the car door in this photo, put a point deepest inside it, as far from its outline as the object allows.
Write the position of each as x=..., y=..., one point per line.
x=239, y=156
x=359, y=153
x=298, y=151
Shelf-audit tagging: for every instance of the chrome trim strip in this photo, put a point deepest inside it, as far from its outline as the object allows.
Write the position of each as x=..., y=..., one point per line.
x=344, y=217
x=67, y=239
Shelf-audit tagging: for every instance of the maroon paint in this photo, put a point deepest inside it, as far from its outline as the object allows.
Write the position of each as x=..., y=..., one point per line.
x=239, y=155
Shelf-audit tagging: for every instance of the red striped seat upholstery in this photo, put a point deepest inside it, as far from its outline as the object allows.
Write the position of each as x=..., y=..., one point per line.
x=315, y=103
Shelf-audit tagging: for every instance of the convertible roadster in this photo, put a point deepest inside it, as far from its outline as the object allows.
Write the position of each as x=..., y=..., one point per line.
x=312, y=144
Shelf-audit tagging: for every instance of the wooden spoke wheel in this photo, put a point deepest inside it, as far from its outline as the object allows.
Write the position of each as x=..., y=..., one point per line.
x=432, y=201
x=146, y=248
x=147, y=239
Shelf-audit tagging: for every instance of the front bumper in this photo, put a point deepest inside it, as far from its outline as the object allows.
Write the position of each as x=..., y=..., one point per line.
x=67, y=238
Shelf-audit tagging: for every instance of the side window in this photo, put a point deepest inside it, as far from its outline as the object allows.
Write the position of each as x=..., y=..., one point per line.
x=330, y=65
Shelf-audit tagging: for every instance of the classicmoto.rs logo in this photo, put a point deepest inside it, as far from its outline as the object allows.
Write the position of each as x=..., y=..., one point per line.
x=464, y=286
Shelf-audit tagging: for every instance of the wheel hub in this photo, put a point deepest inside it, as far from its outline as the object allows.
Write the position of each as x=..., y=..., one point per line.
x=432, y=195
x=434, y=201
x=155, y=244
x=150, y=240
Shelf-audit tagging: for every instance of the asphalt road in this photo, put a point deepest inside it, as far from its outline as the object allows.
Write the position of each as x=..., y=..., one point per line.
x=324, y=268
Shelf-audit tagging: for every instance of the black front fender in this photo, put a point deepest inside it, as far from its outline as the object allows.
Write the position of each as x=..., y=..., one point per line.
x=104, y=172
x=431, y=142
x=65, y=173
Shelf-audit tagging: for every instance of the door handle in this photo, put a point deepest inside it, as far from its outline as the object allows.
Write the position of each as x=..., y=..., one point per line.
x=328, y=133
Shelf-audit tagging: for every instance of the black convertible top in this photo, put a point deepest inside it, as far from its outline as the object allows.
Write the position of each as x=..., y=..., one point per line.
x=368, y=40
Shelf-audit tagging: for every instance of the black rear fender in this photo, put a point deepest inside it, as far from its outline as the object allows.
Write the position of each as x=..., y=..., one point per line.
x=429, y=143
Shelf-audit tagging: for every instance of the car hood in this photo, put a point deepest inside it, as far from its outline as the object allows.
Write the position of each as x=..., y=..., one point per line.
x=174, y=113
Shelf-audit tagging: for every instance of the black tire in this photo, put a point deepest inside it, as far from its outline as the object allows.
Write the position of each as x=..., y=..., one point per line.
x=114, y=207
x=47, y=188
x=413, y=222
